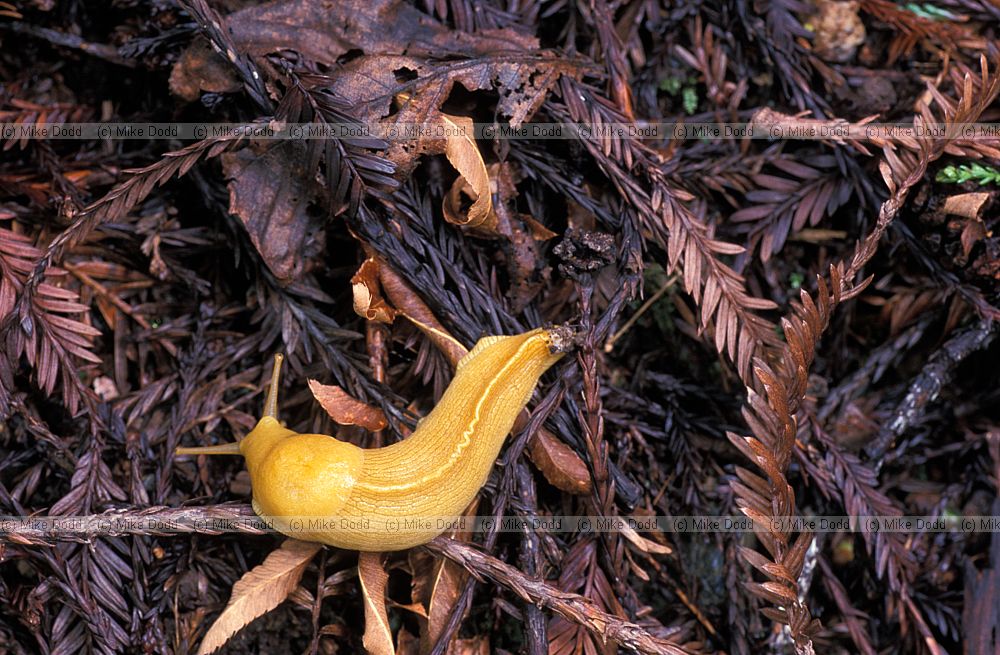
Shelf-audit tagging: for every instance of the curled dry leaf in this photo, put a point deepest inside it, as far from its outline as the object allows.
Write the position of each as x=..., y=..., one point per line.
x=967, y=205
x=345, y=409
x=463, y=153
x=260, y=590
x=373, y=577
x=368, y=301
x=970, y=207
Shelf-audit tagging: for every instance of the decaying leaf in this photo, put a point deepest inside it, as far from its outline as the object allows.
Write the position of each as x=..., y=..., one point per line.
x=373, y=577
x=368, y=301
x=260, y=590
x=270, y=189
x=344, y=409
x=324, y=32
x=199, y=69
x=371, y=84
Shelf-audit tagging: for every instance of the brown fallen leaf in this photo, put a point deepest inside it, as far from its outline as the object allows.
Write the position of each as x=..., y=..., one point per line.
x=270, y=189
x=408, y=303
x=559, y=463
x=967, y=205
x=344, y=409
x=973, y=231
x=323, y=31
x=260, y=590
x=418, y=87
x=373, y=577
x=368, y=301
x=200, y=68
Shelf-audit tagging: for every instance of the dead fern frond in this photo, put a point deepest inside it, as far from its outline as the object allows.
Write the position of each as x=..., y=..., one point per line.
x=772, y=416
x=783, y=205
x=34, y=324
x=51, y=340
x=666, y=213
x=24, y=116
x=912, y=28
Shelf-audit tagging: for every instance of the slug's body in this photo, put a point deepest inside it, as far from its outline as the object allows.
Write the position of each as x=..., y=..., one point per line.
x=318, y=488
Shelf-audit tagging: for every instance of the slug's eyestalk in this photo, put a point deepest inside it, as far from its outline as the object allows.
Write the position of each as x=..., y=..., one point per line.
x=270, y=410
x=271, y=404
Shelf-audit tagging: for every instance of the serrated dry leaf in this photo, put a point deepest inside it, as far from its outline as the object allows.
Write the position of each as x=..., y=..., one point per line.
x=463, y=153
x=260, y=590
x=373, y=577
x=368, y=301
x=344, y=409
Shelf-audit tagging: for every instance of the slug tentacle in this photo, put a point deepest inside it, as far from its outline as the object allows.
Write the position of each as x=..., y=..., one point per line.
x=361, y=494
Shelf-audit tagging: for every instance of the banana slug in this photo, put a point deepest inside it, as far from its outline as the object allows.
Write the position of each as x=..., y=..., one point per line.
x=390, y=498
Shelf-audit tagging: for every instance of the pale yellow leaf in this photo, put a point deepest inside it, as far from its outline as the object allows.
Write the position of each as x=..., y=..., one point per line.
x=463, y=153
x=373, y=576
x=260, y=590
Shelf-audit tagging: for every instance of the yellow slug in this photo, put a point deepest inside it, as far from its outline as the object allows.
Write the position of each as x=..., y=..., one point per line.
x=318, y=488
